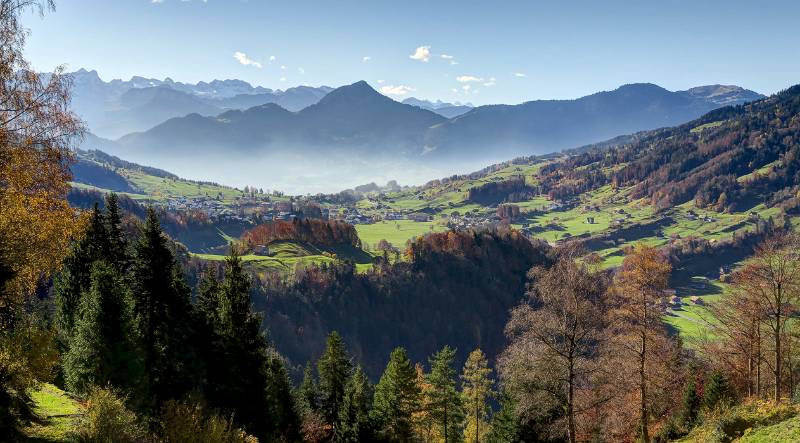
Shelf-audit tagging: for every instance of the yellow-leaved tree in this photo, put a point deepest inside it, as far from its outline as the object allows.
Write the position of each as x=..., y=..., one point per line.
x=36, y=222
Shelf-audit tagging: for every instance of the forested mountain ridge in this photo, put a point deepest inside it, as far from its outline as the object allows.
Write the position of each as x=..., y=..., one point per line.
x=727, y=159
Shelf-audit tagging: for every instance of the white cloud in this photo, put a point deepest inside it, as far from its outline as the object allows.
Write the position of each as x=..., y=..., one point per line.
x=422, y=53
x=466, y=88
x=272, y=58
x=449, y=58
x=242, y=58
x=156, y=1
x=396, y=90
x=490, y=82
x=365, y=59
x=468, y=79
x=380, y=82
x=283, y=67
x=301, y=71
x=283, y=79
x=519, y=74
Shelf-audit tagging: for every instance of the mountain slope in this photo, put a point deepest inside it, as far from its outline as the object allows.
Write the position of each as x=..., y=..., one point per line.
x=544, y=126
x=292, y=99
x=351, y=117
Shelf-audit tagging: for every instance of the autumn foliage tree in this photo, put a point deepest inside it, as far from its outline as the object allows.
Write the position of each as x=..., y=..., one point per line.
x=555, y=342
x=36, y=222
x=770, y=284
x=644, y=356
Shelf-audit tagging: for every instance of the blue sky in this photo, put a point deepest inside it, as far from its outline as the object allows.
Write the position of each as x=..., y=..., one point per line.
x=498, y=51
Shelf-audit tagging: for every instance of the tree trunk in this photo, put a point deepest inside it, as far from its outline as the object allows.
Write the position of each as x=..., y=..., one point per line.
x=758, y=361
x=570, y=405
x=778, y=356
x=445, y=423
x=477, y=421
x=643, y=390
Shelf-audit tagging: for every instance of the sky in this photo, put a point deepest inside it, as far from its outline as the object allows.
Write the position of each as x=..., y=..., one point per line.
x=482, y=52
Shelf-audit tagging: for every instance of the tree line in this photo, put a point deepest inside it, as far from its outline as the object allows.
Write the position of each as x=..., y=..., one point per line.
x=125, y=318
x=321, y=233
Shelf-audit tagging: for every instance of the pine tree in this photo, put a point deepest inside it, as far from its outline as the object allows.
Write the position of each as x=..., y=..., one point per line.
x=505, y=425
x=333, y=369
x=102, y=350
x=75, y=277
x=252, y=383
x=444, y=401
x=476, y=389
x=691, y=404
x=208, y=297
x=206, y=339
x=117, y=244
x=717, y=390
x=307, y=395
x=163, y=311
x=396, y=398
x=353, y=424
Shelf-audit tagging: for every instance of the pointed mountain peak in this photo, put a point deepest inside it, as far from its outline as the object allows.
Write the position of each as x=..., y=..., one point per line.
x=358, y=93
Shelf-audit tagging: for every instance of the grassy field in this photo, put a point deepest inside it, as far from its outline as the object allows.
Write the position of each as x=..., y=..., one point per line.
x=396, y=232
x=287, y=255
x=58, y=415
x=95, y=188
x=162, y=188
x=787, y=431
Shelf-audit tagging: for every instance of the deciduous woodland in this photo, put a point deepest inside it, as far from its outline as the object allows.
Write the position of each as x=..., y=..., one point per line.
x=476, y=333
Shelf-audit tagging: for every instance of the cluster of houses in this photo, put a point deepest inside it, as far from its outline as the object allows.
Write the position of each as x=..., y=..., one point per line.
x=472, y=221
x=671, y=300
x=691, y=215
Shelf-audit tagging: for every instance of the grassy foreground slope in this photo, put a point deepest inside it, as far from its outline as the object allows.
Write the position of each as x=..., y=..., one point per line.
x=57, y=415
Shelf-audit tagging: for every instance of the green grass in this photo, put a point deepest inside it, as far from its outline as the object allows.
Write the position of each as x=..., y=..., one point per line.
x=106, y=191
x=162, y=188
x=751, y=421
x=703, y=127
x=58, y=415
x=396, y=232
x=786, y=431
x=287, y=255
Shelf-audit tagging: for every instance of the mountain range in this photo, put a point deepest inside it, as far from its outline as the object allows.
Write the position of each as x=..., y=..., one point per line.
x=115, y=108
x=444, y=109
x=355, y=132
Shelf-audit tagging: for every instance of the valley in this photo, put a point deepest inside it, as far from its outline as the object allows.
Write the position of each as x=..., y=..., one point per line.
x=516, y=223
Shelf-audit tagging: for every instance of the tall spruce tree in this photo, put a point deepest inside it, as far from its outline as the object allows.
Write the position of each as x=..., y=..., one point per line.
x=690, y=409
x=75, y=277
x=253, y=383
x=396, y=399
x=117, y=244
x=307, y=395
x=353, y=424
x=206, y=318
x=333, y=370
x=162, y=307
x=102, y=351
x=717, y=390
x=444, y=401
x=505, y=424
